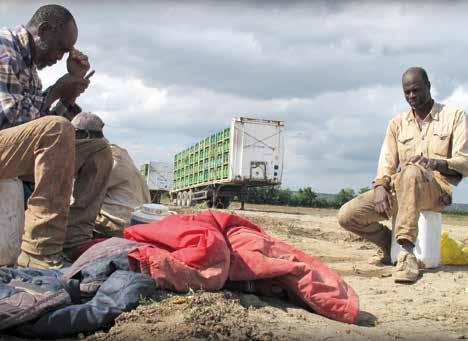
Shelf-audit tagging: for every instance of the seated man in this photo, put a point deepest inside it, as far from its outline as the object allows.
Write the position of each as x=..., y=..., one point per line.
x=424, y=152
x=126, y=189
x=38, y=142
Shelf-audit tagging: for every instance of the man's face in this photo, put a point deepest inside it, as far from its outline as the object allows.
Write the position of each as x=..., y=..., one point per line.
x=417, y=92
x=53, y=43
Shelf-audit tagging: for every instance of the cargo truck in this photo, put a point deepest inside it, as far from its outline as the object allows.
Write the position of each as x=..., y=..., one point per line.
x=158, y=177
x=247, y=154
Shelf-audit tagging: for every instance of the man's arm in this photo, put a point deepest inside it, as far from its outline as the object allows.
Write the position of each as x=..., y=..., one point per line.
x=16, y=106
x=458, y=163
x=388, y=163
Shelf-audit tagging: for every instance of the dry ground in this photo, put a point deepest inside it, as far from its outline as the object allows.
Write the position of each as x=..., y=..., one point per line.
x=434, y=308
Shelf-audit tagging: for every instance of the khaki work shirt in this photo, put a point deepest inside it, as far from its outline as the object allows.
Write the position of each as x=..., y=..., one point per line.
x=442, y=136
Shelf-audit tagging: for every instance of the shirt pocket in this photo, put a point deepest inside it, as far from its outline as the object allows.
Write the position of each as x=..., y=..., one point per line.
x=406, y=148
x=440, y=143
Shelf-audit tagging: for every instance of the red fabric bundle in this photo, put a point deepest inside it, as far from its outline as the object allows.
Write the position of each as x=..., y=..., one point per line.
x=202, y=251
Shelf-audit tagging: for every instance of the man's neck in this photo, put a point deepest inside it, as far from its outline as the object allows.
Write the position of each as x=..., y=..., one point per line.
x=422, y=112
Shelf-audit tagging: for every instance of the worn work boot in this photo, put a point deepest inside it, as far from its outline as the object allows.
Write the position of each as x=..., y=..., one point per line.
x=381, y=257
x=51, y=262
x=406, y=270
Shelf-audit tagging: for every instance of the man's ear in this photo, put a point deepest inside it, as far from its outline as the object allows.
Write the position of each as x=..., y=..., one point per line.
x=43, y=28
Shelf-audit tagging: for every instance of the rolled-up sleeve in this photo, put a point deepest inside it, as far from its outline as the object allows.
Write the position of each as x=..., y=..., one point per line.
x=459, y=160
x=16, y=107
x=388, y=160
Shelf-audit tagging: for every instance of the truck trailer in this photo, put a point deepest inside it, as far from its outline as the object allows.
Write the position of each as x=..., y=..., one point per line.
x=158, y=177
x=247, y=154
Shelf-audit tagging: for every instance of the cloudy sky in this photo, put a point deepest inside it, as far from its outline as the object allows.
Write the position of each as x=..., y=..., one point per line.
x=169, y=73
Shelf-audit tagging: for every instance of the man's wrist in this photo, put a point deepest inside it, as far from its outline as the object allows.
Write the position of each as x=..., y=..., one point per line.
x=383, y=181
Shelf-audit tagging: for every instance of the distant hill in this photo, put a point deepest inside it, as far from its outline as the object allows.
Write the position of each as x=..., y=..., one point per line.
x=453, y=207
x=326, y=196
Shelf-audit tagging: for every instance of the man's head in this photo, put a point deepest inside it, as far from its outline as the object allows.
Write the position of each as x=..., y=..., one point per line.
x=88, y=125
x=416, y=88
x=54, y=33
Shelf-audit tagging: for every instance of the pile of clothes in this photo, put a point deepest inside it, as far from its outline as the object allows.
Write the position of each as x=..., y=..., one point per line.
x=205, y=251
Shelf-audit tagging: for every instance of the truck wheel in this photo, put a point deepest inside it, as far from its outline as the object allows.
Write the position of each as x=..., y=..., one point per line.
x=184, y=199
x=189, y=201
x=179, y=199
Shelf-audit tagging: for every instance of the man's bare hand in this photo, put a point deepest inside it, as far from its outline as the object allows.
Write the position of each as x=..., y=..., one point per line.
x=383, y=201
x=69, y=87
x=77, y=63
x=423, y=161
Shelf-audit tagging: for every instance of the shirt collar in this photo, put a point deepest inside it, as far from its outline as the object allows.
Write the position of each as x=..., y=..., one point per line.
x=435, y=110
x=24, y=44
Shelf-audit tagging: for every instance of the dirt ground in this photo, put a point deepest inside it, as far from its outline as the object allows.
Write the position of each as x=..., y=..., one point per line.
x=434, y=308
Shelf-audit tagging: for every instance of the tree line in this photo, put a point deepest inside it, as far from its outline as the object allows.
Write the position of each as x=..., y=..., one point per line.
x=304, y=197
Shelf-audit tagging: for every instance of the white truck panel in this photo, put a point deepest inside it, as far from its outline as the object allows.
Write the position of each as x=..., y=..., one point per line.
x=256, y=150
x=160, y=176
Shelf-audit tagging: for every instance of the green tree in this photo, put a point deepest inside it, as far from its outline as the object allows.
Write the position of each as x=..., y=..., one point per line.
x=364, y=190
x=343, y=196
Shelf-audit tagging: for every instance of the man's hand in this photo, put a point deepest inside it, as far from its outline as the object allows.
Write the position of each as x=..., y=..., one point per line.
x=77, y=63
x=69, y=87
x=423, y=161
x=383, y=201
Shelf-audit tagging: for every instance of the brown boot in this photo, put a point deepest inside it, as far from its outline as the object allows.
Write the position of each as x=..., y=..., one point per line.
x=406, y=270
x=51, y=262
x=381, y=257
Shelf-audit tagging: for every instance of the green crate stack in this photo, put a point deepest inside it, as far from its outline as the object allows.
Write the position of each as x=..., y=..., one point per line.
x=206, y=160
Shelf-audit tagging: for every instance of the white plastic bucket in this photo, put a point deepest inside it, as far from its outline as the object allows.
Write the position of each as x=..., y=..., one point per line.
x=11, y=220
x=427, y=248
x=149, y=213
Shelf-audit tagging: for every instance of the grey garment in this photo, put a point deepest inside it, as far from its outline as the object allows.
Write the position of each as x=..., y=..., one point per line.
x=26, y=294
x=105, y=257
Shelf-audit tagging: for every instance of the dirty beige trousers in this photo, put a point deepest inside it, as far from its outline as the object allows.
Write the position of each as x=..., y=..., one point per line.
x=413, y=189
x=44, y=148
x=126, y=191
x=92, y=169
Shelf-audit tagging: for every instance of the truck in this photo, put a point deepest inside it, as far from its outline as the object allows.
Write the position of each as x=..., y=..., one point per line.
x=219, y=167
x=158, y=177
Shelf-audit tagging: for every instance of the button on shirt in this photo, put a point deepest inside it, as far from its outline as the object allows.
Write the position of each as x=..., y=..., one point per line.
x=442, y=135
x=21, y=95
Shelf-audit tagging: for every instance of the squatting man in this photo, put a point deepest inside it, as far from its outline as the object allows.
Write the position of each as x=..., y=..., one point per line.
x=424, y=152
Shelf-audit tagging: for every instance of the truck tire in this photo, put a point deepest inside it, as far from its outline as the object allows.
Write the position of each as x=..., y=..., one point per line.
x=189, y=201
x=184, y=199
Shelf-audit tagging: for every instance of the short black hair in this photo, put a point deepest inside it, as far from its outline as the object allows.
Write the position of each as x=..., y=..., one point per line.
x=56, y=15
x=419, y=70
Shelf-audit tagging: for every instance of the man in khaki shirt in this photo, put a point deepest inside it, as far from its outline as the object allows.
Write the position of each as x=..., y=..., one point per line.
x=424, y=152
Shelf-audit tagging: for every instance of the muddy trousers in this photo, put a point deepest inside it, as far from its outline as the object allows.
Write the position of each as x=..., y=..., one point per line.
x=44, y=148
x=414, y=189
x=92, y=171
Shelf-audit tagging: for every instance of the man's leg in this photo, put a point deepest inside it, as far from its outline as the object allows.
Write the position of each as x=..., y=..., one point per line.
x=416, y=190
x=45, y=148
x=360, y=217
x=93, y=166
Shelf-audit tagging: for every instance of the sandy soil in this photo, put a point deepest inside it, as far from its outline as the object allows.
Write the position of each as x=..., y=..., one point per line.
x=434, y=308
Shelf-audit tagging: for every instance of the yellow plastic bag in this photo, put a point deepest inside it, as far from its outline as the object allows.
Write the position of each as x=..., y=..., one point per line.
x=452, y=252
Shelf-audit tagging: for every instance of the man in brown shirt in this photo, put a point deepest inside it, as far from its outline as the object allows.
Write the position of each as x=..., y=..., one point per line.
x=424, y=152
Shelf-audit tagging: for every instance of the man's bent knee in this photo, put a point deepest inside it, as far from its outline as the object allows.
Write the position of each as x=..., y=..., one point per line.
x=345, y=216
x=411, y=172
x=58, y=124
